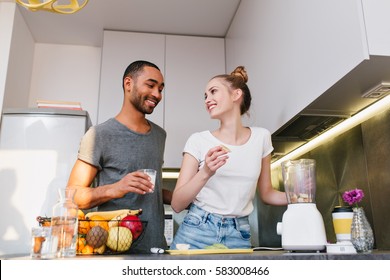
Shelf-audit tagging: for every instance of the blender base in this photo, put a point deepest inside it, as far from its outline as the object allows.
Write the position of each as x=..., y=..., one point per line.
x=302, y=228
x=344, y=247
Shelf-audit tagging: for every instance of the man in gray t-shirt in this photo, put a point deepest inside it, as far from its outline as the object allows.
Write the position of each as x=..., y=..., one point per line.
x=111, y=153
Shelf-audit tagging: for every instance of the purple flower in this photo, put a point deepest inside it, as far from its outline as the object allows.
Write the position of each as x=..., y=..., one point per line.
x=353, y=196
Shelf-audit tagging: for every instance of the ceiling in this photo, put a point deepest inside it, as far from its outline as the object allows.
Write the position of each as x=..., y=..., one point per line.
x=85, y=27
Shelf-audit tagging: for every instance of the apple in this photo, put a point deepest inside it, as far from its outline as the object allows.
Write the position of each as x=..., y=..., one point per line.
x=133, y=223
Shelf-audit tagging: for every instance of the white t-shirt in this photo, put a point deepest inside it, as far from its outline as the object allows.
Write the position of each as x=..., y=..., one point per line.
x=230, y=191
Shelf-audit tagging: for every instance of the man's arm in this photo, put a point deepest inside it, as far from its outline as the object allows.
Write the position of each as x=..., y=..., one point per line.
x=86, y=197
x=81, y=179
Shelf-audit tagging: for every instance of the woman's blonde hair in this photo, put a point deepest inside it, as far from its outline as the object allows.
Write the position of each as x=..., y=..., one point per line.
x=237, y=80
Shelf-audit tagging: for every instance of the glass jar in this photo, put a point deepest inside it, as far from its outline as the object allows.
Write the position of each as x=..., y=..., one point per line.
x=362, y=236
x=64, y=223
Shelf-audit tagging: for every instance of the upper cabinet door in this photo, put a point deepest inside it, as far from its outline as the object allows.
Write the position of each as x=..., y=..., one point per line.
x=294, y=55
x=190, y=63
x=119, y=50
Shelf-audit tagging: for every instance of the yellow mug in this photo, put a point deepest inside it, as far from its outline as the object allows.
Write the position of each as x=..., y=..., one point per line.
x=342, y=220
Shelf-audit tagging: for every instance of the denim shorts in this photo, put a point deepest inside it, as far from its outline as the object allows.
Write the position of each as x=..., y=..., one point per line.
x=200, y=229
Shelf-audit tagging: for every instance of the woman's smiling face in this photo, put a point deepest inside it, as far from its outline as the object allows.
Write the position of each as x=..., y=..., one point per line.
x=217, y=97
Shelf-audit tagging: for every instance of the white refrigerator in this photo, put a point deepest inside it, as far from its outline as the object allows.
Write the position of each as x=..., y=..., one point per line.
x=38, y=148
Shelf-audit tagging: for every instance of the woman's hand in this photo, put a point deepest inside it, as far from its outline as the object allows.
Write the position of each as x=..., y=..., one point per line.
x=215, y=158
x=191, y=180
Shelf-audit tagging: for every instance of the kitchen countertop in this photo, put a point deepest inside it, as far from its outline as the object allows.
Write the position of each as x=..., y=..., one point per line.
x=257, y=255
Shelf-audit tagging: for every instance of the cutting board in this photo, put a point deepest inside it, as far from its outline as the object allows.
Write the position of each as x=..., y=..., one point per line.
x=209, y=251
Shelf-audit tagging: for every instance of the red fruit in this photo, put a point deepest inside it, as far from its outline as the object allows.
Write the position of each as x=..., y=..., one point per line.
x=133, y=223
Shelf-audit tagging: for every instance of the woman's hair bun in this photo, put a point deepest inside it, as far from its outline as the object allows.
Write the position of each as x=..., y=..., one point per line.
x=240, y=72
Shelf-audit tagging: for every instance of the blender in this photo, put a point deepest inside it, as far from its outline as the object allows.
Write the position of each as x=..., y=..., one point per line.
x=302, y=227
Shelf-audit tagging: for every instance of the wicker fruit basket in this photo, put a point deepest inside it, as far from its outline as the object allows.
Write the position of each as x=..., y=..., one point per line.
x=106, y=237
x=99, y=237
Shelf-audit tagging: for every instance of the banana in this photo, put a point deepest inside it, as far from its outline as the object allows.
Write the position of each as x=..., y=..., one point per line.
x=135, y=212
x=108, y=215
x=114, y=222
x=100, y=250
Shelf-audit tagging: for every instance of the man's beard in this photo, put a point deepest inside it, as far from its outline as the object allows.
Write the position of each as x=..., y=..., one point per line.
x=138, y=102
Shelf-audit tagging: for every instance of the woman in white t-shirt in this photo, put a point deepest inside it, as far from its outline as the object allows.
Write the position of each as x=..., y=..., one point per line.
x=222, y=169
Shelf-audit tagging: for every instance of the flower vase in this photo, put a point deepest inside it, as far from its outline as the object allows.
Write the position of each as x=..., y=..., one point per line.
x=362, y=236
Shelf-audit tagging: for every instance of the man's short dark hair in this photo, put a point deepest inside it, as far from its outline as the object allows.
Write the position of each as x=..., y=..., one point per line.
x=136, y=67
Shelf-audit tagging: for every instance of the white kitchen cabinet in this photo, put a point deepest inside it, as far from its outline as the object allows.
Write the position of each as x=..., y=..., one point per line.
x=377, y=26
x=294, y=52
x=187, y=62
x=190, y=63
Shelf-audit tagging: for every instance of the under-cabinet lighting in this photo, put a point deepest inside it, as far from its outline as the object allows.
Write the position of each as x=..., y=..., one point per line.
x=376, y=108
x=170, y=174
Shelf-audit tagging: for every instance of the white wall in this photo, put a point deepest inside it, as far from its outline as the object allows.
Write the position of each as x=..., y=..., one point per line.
x=66, y=72
x=20, y=64
x=294, y=51
x=7, y=14
x=30, y=71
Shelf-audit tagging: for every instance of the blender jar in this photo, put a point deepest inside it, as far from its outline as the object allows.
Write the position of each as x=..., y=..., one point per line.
x=299, y=180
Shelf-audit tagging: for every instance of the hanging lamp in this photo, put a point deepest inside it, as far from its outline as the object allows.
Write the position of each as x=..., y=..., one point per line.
x=54, y=6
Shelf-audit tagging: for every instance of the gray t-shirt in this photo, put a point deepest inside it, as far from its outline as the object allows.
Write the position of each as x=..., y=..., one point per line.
x=116, y=151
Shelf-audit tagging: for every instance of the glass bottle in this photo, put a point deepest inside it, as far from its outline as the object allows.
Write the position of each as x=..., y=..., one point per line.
x=64, y=223
x=362, y=236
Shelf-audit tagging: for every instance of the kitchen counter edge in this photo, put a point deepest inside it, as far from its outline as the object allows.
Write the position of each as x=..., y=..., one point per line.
x=257, y=255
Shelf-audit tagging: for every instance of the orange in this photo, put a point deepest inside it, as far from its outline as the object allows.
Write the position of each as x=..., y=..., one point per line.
x=81, y=242
x=88, y=249
x=84, y=227
x=98, y=221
